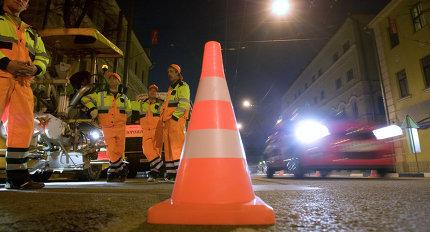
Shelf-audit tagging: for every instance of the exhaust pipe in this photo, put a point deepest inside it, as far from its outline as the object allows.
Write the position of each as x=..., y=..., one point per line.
x=82, y=91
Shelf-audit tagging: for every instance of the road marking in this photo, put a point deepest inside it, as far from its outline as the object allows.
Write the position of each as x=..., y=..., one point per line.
x=282, y=187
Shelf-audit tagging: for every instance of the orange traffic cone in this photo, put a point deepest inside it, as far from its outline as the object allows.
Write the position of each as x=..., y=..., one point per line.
x=374, y=174
x=213, y=186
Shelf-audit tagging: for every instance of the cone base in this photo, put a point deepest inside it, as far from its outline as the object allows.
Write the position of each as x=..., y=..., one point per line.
x=255, y=212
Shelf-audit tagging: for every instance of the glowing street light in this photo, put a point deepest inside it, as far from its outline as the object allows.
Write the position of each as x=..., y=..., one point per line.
x=239, y=125
x=246, y=104
x=281, y=7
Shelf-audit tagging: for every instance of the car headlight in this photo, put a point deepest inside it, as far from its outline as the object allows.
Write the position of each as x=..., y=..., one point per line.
x=309, y=131
x=95, y=134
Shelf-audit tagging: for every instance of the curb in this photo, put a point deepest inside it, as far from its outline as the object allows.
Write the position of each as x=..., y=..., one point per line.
x=414, y=174
x=363, y=175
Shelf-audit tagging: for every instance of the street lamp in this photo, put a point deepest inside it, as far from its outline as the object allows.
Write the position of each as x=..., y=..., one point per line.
x=281, y=7
x=246, y=104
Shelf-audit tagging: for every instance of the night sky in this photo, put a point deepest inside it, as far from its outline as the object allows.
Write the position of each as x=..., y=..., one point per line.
x=256, y=67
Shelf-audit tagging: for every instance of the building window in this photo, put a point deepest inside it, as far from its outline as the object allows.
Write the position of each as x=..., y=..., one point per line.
x=403, y=83
x=350, y=75
x=341, y=114
x=335, y=57
x=426, y=69
x=322, y=95
x=393, y=33
x=338, y=83
x=346, y=46
x=320, y=72
x=354, y=110
x=418, y=17
x=381, y=106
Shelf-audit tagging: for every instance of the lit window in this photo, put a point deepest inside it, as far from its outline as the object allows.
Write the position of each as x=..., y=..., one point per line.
x=393, y=33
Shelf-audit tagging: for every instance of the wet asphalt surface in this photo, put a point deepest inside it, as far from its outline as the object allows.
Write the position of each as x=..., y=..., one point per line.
x=355, y=204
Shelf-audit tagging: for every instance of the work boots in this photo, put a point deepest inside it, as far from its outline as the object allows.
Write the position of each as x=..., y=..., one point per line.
x=152, y=176
x=20, y=179
x=118, y=174
x=170, y=177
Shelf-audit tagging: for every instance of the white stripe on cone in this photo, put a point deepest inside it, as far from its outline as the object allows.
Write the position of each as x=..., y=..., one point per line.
x=213, y=88
x=213, y=143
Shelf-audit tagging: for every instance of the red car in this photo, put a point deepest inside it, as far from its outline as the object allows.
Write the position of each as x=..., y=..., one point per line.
x=309, y=145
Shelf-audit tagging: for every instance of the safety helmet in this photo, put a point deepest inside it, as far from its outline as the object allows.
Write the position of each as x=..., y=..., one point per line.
x=116, y=75
x=153, y=86
x=176, y=67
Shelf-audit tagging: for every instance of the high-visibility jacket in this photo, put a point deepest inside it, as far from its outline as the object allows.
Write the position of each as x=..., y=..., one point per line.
x=177, y=102
x=152, y=130
x=149, y=113
x=103, y=102
x=21, y=43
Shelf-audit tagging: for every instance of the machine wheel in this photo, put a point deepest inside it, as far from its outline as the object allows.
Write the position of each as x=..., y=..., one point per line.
x=294, y=166
x=90, y=174
x=270, y=172
x=324, y=173
x=133, y=165
x=299, y=173
x=41, y=176
x=382, y=172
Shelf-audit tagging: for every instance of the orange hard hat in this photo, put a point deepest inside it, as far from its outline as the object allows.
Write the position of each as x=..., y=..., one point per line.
x=116, y=75
x=176, y=67
x=153, y=86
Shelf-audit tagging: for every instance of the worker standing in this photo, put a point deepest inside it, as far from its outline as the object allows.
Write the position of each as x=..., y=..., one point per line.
x=152, y=140
x=111, y=107
x=22, y=57
x=174, y=114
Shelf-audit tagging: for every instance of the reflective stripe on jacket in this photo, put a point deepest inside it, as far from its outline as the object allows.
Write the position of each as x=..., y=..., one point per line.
x=21, y=43
x=177, y=103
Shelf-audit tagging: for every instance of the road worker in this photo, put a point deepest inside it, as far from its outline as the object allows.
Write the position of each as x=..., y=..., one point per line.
x=111, y=108
x=174, y=114
x=152, y=140
x=22, y=57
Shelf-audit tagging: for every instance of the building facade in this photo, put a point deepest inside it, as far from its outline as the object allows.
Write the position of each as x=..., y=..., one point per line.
x=105, y=16
x=402, y=34
x=342, y=78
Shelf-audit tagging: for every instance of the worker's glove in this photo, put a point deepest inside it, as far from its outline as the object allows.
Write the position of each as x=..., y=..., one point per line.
x=94, y=114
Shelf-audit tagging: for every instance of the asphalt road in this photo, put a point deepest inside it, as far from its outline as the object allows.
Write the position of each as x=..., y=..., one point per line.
x=300, y=205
